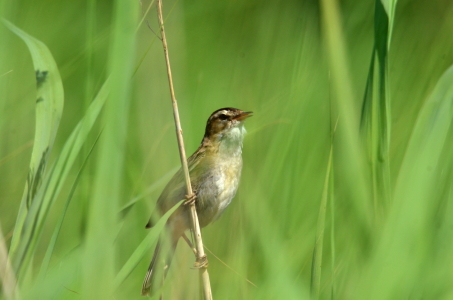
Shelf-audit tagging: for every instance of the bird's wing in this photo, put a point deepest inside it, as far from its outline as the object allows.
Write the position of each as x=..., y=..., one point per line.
x=175, y=190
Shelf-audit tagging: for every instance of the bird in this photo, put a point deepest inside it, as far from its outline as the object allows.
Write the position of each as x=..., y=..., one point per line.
x=215, y=171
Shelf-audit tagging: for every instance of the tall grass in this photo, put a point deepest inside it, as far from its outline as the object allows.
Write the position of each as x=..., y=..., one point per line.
x=346, y=187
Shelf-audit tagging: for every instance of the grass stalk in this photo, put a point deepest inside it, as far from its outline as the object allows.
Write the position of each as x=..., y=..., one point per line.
x=332, y=234
x=415, y=192
x=7, y=277
x=204, y=275
x=347, y=142
x=46, y=261
x=100, y=254
x=49, y=108
x=376, y=114
x=320, y=229
x=144, y=247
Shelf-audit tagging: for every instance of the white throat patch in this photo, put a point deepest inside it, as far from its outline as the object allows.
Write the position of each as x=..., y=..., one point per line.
x=231, y=144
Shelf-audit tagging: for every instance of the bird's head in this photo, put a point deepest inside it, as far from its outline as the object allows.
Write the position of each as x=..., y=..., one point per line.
x=225, y=122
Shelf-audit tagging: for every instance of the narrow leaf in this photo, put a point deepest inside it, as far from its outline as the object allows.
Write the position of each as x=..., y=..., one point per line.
x=143, y=248
x=390, y=7
x=53, y=240
x=393, y=267
x=49, y=108
x=55, y=179
x=320, y=229
x=376, y=115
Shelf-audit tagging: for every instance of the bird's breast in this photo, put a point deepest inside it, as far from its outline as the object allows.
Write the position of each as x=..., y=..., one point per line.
x=218, y=188
x=228, y=180
x=218, y=178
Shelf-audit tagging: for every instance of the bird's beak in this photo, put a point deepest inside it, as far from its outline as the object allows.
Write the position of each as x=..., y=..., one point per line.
x=244, y=115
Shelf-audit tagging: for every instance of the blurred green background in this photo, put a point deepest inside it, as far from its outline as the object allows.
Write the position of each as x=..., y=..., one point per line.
x=269, y=57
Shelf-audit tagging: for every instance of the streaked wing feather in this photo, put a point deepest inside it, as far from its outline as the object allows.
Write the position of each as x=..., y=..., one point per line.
x=175, y=190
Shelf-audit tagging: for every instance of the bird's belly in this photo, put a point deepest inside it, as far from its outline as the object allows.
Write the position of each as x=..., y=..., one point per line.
x=216, y=193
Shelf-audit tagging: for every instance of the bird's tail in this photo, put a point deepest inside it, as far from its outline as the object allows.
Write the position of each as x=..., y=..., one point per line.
x=151, y=277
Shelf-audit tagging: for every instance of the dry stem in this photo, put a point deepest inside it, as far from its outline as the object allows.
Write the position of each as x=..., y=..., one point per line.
x=7, y=277
x=194, y=218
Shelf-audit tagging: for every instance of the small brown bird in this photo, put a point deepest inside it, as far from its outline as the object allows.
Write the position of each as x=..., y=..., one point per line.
x=215, y=170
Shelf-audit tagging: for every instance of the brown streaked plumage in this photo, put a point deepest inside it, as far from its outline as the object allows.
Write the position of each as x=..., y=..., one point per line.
x=215, y=171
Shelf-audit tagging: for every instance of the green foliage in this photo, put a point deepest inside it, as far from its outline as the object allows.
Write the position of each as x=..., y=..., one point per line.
x=361, y=213
x=416, y=188
x=98, y=265
x=144, y=247
x=376, y=113
x=320, y=230
x=49, y=107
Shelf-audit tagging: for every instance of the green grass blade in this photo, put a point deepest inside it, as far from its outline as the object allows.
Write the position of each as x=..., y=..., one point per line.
x=48, y=114
x=60, y=281
x=320, y=229
x=49, y=108
x=376, y=115
x=98, y=268
x=53, y=240
x=332, y=235
x=406, y=236
x=143, y=248
x=54, y=181
x=347, y=142
x=153, y=187
x=390, y=8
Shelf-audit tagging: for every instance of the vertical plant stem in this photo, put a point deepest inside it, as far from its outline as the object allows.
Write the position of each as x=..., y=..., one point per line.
x=332, y=232
x=86, y=183
x=204, y=276
x=7, y=278
x=99, y=256
x=376, y=113
x=320, y=228
x=347, y=143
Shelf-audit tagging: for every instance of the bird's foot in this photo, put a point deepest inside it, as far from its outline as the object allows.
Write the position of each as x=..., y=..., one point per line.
x=201, y=262
x=190, y=199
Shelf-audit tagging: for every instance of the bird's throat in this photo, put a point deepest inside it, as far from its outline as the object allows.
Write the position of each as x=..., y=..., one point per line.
x=230, y=144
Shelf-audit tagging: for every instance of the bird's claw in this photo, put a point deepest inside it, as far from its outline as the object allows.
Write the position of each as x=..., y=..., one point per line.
x=190, y=199
x=201, y=263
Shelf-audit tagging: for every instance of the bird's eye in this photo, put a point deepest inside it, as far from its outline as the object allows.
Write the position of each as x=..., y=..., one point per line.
x=223, y=117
